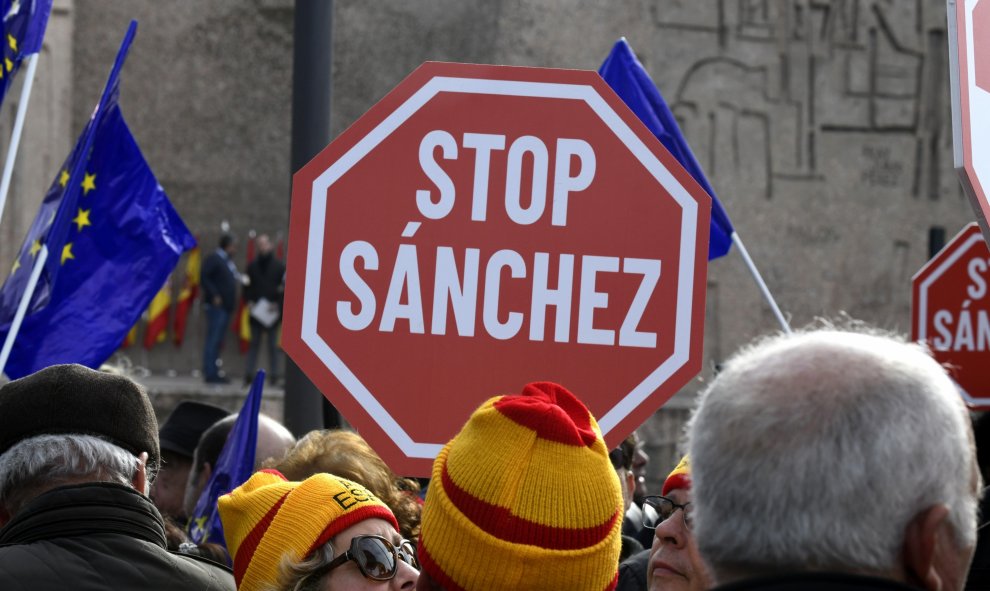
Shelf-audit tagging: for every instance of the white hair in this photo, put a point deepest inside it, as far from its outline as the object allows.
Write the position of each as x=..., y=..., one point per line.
x=814, y=451
x=44, y=462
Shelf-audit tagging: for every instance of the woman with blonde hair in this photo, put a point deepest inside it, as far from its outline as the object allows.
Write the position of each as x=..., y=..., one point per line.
x=325, y=533
x=348, y=455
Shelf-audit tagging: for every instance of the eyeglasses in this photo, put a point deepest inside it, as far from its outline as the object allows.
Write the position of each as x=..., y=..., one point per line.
x=377, y=558
x=666, y=508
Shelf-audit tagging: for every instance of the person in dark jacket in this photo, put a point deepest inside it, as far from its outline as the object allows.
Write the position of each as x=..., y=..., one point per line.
x=177, y=438
x=834, y=460
x=632, y=572
x=219, y=279
x=266, y=285
x=78, y=451
x=621, y=458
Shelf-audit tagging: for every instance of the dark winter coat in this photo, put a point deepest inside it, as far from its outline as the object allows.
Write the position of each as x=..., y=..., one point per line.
x=216, y=279
x=816, y=582
x=98, y=536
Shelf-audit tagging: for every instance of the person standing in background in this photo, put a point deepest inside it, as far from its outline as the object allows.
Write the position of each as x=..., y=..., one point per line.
x=218, y=278
x=264, y=292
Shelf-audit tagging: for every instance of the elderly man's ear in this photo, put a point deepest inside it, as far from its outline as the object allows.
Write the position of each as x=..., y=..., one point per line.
x=140, y=480
x=928, y=541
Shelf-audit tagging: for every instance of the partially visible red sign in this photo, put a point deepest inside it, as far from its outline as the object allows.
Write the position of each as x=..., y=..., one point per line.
x=969, y=73
x=951, y=312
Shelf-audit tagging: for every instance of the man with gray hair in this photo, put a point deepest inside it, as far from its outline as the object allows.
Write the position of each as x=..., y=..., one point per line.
x=78, y=452
x=834, y=460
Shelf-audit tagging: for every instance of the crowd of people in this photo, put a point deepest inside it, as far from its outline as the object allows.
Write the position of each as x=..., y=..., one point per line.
x=823, y=460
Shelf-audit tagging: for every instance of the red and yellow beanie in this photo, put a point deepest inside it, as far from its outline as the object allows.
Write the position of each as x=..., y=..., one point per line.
x=524, y=498
x=679, y=477
x=268, y=517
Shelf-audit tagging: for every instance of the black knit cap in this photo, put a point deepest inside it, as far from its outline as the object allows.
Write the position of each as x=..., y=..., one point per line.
x=75, y=399
x=181, y=430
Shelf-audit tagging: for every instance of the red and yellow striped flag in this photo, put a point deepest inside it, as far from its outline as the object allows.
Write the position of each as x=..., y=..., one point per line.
x=158, y=312
x=188, y=295
x=131, y=336
x=242, y=320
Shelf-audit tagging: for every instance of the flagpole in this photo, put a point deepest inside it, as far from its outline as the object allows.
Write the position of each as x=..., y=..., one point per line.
x=15, y=326
x=15, y=137
x=760, y=283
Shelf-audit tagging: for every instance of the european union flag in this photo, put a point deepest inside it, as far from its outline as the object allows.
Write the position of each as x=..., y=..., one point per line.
x=112, y=237
x=22, y=30
x=234, y=466
x=627, y=77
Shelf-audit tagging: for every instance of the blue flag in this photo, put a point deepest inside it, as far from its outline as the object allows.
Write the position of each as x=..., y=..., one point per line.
x=22, y=30
x=113, y=238
x=234, y=466
x=627, y=77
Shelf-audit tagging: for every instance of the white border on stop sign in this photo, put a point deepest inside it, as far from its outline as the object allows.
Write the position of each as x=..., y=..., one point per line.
x=311, y=294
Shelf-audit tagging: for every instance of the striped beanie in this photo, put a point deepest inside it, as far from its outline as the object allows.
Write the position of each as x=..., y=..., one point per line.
x=679, y=477
x=269, y=517
x=524, y=498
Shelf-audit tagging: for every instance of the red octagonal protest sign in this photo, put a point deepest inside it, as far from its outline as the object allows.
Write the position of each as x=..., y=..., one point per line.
x=969, y=70
x=483, y=227
x=951, y=312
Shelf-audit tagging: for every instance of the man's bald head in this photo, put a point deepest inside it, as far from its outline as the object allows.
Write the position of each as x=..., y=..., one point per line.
x=274, y=440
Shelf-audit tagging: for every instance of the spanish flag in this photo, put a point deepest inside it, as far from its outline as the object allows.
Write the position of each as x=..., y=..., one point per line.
x=131, y=337
x=158, y=311
x=242, y=321
x=188, y=295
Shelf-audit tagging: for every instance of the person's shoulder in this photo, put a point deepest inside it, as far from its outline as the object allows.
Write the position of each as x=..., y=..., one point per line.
x=212, y=574
x=632, y=572
x=815, y=581
x=118, y=562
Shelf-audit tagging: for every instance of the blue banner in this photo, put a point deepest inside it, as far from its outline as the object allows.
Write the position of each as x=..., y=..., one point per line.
x=113, y=238
x=21, y=33
x=627, y=77
x=234, y=466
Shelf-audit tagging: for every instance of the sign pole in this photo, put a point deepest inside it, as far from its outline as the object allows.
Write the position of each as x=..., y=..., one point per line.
x=15, y=136
x=311, y=85
x=760, y=283
x=15, y=326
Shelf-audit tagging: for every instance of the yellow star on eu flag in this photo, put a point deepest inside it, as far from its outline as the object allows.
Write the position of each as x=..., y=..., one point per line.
x=8, y=63
x=35, y=247
x=89, y=183
x=82, y=219
x=17, y=265
x=67, y=252
x=12, y=42
x=200, y=524
x=63, y=178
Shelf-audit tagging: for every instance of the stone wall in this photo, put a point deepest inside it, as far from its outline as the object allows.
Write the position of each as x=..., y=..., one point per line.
x=823, y=125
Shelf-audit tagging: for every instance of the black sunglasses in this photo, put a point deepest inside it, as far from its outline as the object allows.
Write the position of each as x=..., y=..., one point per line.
x=377, y=558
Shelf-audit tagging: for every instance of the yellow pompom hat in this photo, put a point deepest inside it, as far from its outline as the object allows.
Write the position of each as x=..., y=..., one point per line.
x=269, y=517
x=524, y=498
